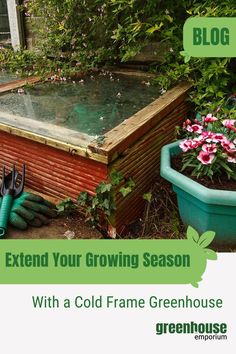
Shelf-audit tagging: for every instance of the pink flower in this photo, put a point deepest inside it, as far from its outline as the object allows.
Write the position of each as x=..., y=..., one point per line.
x=228, y=146
x=229, y=122
x=186, y=145
x=206, y=136
x=209, y=148
x=231, y=159
x=186, y=123
x=218, y=137
x=205, y=158
x=197, y=142
x=209, y=118
x=195, y=128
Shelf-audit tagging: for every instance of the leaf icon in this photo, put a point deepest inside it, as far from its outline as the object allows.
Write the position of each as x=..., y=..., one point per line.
x=210, y=254
x=192, y=234
x=195, y=284
x=206, y=238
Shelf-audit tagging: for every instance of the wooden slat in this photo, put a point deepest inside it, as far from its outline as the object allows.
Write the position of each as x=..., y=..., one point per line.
x=141, y=162
x=50, y=170
x=17, y=84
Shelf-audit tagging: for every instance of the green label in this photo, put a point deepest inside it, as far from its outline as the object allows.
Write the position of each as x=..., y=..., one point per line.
x=209, y=37
x=106, y=261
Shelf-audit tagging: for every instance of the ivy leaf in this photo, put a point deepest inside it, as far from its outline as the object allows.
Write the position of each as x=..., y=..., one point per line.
x=95, y=202
x=125, y=191
x=82, y=198
x=147, y=196
x=106, y=204
x=192, y=234
x=210, y=254
x=116, y=177
x=103, y=187
x=206, y=239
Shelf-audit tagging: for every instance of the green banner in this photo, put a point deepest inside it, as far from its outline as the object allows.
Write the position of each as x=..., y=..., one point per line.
x=209, y=37
x=105, y=261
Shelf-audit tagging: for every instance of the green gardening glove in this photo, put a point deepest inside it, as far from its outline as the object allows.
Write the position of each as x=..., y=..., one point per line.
x=30, y=209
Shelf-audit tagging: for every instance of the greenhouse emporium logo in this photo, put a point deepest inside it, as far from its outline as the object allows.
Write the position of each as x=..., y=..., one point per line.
x=209, y=37
x=201, y=331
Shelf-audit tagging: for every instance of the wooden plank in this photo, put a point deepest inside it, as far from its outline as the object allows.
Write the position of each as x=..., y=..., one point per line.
x=74, y=143
x=13, y=85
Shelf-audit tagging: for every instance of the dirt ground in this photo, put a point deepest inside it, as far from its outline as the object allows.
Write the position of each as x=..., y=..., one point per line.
x=160, y=220
x=62, y=227
x=59, y=228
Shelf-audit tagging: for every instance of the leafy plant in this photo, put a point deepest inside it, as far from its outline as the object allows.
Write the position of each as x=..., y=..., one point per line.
x=210, y=147
x=83, y=35
x=66, y=206
x=99, y=207
x=128, y=187
x=148, y=197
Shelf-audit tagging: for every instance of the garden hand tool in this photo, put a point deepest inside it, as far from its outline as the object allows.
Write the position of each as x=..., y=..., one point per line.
x=12, y=186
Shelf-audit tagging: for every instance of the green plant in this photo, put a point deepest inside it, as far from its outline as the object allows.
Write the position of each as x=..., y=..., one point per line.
x=100, y=206
x=66, y=206
x=148, y=197
x=210, y=146
x=127, y=187
x=82, y=35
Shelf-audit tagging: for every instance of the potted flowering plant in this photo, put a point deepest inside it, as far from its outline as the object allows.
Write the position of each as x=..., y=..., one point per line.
x=202, y=169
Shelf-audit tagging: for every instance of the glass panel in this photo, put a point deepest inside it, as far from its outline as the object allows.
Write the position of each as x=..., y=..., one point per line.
x=92, y=106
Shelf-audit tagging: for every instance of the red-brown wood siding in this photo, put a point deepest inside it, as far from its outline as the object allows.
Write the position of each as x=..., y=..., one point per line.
x=141, y=162
x=49, y=170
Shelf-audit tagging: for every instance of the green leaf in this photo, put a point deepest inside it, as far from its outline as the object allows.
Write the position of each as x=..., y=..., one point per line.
x=125, y=191
x=95, y=202
x=103, y=187
x=147, y=196
x=155, y=28
x=192, y=234
x=206, y=238
x=130, y=183
x=116, y=177
x=210, y=254
x=82, y=198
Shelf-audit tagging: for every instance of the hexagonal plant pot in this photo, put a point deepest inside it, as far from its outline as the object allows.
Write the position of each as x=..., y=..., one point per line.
x=201, y=207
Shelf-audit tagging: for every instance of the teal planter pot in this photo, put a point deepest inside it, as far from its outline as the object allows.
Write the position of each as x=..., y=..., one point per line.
x=202, y=208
